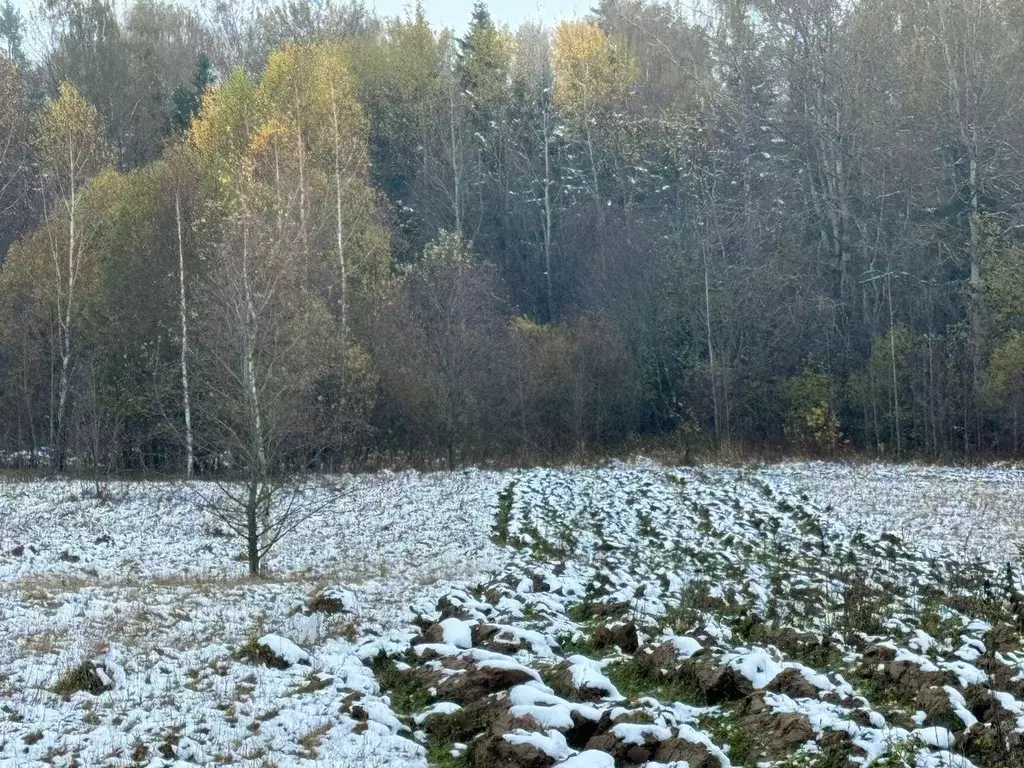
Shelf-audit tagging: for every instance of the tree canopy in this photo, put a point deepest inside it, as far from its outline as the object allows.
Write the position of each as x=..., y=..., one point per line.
x=360, y=239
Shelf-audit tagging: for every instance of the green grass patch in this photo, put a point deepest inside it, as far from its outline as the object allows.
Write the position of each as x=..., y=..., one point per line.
x=408, y=689
x=634, y=680
x=440, y=756
x=506, y=498
x=742, y=749
x=582, y=644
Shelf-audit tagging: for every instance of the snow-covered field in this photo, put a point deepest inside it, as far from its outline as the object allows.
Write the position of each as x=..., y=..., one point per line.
x=147, y=585
x=810, y=614
x=979, y=511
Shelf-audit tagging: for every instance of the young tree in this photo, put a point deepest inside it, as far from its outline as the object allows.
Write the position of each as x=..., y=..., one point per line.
x=485, y=60
x=181, y=175
x=311, y=93
x=264, y=347
x=452, y=143
x=532, y=191
x=71, y=152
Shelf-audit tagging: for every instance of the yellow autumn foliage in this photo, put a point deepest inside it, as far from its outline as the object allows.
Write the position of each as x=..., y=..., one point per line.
x=591, y=73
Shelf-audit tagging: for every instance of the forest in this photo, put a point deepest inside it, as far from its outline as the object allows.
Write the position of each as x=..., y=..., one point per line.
x=297, y=234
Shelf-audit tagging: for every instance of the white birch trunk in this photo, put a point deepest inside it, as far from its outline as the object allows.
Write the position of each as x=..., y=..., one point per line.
x=183, y=314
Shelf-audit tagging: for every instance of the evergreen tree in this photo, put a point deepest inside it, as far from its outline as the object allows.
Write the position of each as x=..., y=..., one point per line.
x=188, y=100
x=12, y=32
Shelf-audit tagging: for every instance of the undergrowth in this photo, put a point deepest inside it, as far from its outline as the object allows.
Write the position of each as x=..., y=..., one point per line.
x=80, y=678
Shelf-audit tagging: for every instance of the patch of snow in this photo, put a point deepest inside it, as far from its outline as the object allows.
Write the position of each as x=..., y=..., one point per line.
x=936, y=736
x=591, y=758
x=637, y=733
x=551, y=743
x=967, y=674
x=926, y=664
x=457, y=632
x=284, y=648
x=586, y=673
x=685, y=647
x=755, y=664
x=438, y=708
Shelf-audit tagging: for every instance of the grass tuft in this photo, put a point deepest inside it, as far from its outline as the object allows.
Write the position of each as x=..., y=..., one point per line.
x=80, y=678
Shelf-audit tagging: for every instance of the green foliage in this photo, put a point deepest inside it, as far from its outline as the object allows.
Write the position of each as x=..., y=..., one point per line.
x=635, y=680
x=398, y=81
x=1003, y=297
x=1003, y=291
x=484, y=65
x=620, y=229
x=575, y=382
x=811, y=417
x=229, y=117
x=883, y=388
x=409, y=690
x=440, y=756
x=70, y=140
x=505, y=501
x=1006, y=368
x=188, y=100
x=902, y=754
x=744, y=749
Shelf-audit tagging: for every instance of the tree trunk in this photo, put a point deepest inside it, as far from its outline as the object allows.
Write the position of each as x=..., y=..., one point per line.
x=456, y=166
x=975, y=286
x=340, y=227
x=593, y=173
x=711, y=349
x=60, y=455
x=183, y=314
x=259, y=472
x=895, y=381
x=252, y=537
x=547, y=218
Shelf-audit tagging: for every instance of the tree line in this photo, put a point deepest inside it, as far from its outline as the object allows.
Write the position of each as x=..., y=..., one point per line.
x=301, y=234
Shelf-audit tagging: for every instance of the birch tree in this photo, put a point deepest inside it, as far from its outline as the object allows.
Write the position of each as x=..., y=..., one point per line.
x=180, y=173
x=311, y=94
x=264, y=347
x=591, y=79
x=71, y=152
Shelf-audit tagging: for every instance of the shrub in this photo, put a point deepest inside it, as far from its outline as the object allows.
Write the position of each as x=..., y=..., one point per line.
x=81, y=678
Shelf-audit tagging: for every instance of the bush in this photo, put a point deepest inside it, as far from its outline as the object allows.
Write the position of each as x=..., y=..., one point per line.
x=81, y=678
x=811, y=418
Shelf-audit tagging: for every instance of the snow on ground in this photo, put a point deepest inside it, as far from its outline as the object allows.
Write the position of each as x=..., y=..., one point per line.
x=624, y=615
x=730, y=621
x=147, y=581
x=978, y=511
